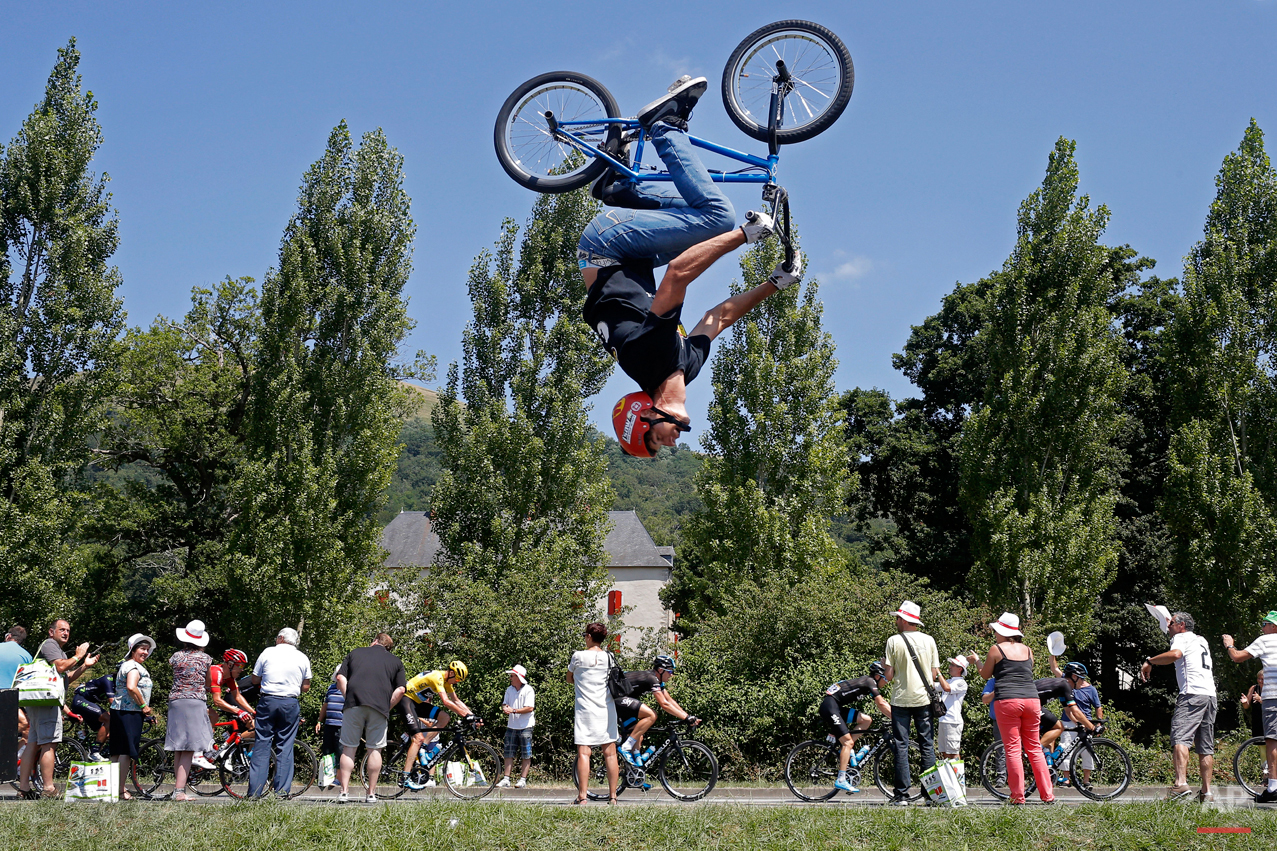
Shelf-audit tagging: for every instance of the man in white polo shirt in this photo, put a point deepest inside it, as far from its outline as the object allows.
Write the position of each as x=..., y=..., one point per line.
x=282, y=673
x=1193, y=723
x=1264, y=648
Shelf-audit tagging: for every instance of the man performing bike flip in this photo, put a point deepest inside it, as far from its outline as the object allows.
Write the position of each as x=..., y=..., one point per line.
x=849, y=693
x=637, y=321
x=423, y=690
x=633, y=709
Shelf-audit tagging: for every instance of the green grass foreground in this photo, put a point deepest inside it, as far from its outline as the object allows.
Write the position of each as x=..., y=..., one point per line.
x=521, y=827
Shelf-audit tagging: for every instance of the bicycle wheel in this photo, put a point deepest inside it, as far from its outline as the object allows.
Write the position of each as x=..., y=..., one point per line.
x=1100, y=769
x=305, y=769
x=821, y=72
x=233, y=768
x=596, y=789
x=152, y=771
x=480, y=769
x=885, y=770
x=1250, y=766
x=531, y=153
x=811, y=769
x=691, y=774
x=993, y=772
x=390, y=779
x=204, y=782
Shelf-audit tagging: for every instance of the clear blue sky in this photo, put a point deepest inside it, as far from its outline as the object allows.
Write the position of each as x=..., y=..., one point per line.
x=212, y=112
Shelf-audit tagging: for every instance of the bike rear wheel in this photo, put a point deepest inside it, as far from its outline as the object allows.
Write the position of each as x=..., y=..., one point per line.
x=822, y=78
x=529, y=150
x=1100, y=769
x=691, y=774
x=993, y=773
x=480, y=769
x=204, y=782
x=152, y=771
x=1250, y=765
x=885, y=770
x=65, y=752
x=390, y=780
x=596, y=788
x=811, y=769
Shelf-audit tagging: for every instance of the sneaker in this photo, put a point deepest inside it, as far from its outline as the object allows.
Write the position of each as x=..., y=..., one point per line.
x=409, y=783
x=1178, y=793
x=758, y=226
x=522, y=782
x=503, y=783
x=371, y=799
x=201, y=761
x=781, y=279
x=843, y=784
x=343, y=798
x=430, y=784
x=1268, y=796
x=677, y=104
x=898, y=801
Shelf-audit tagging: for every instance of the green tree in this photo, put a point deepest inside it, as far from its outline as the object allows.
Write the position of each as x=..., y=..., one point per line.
x=1222, y=485
x=776, y=466
x=1040, y=464
x=59, y=320
x=325, y=407
x=521, y=505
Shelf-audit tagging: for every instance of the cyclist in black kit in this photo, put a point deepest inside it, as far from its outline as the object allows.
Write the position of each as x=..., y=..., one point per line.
x=633, y=709
x=91, y=701
x=1050, y=727
x=850, y=693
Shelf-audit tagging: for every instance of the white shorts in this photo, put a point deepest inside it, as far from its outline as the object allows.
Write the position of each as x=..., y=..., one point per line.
x=949, y=737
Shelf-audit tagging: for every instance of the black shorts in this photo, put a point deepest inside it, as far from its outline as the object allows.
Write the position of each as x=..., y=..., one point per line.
x=627, y=710
x=835, y=717
x=413, y=712
x=1048, y=722
x=93, y=714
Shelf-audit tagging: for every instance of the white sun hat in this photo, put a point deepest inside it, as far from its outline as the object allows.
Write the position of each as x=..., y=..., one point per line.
x=1007, y=625
x=961, y=661
x=1055, y=643
x=194, y=633
x=520, y=672
x=1162, y=614
x=910, y=612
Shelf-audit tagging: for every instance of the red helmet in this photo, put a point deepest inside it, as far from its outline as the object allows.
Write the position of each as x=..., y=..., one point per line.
x=235, y=657
x=629, y=424
x=631, y=427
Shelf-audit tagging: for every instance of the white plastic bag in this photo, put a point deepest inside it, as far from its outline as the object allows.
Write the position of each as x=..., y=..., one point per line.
x=93, y=781
x=945, y=783
x=39, y=684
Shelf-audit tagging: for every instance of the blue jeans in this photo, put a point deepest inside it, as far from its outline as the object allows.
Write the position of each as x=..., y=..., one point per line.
x=277, y=721
x=692, y=212
x=922, y=722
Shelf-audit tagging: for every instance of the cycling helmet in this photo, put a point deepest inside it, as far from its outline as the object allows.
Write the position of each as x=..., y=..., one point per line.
x=876, y=669
x=1075, y=669
x=664, y=663
x=459, y=668
x=632, y=428
x=235, y=657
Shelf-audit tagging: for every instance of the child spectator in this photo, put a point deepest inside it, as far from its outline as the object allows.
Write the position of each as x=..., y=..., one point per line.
x=518, y=704
x=949, y=740
x=329, y=723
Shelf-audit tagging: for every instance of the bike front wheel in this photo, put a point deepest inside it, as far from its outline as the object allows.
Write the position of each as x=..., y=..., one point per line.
x=688, y=772
x=885, y=770
x=993, y=772
x=232, y=769
x=65, y=752
x=536, y=155
x=478, y=768
x=811, y=769
x=1101, y=769
x=821, y=74
x=596, y=788
x=152, y=771
x=1250, y=765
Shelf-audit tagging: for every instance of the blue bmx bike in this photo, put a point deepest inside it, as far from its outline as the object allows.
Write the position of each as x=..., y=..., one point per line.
x=785, y=83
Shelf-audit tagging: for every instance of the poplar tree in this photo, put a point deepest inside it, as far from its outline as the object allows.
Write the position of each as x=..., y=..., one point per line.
x=325, y=407
x=776, y=464
x=59, y=322
x=1040, y=467
x=1222, y=485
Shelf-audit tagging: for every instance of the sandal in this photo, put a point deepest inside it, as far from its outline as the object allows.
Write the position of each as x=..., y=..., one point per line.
x=579, y=801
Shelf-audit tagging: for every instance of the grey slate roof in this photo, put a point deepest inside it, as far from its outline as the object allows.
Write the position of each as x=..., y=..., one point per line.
x=410, y=542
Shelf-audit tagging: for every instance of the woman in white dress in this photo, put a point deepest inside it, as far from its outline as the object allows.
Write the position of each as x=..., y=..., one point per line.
x=595, y=711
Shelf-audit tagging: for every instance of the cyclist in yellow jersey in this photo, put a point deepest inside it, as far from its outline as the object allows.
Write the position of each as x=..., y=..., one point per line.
x=435, y=691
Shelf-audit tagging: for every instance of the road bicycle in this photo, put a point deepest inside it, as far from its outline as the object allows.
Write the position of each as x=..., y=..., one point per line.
x=477, y=764
x=65, y=752
x=1250, y=765
x=686, y=768
x=812, y=766
x=785, y=83
x=1099, y=768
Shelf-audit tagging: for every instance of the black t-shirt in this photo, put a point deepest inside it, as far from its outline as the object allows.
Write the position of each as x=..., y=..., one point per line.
x=248, y=689
x=649, y=348
x=846, y=691
x=372, y=675
x=644, y=682
x=1052, y=688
